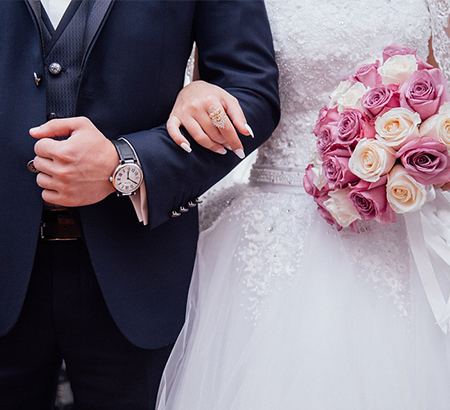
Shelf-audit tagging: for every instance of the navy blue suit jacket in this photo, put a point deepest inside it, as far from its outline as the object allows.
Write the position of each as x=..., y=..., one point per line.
x=131, y=75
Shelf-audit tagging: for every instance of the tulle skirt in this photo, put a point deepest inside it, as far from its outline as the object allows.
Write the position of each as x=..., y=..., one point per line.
x=286, y=313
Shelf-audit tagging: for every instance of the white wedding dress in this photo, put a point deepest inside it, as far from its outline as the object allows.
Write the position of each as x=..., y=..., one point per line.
x=285, y=312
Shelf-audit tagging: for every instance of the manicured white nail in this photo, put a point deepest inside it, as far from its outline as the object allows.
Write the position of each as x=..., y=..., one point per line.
x=186, y=147
x=249, y=129
x=33, y=130
x=240, y=153
x=221, y=151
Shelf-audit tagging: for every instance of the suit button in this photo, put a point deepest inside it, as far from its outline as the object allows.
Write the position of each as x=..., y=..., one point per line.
x=54, y=68
x=52, y=116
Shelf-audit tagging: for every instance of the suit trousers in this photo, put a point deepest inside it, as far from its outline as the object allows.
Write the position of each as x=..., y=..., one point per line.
x=65, y=317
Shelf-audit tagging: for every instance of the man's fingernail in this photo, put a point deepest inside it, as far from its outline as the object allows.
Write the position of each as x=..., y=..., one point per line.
x=240, y=153
x=186, y=147
x=221, y=151
x=249, y=129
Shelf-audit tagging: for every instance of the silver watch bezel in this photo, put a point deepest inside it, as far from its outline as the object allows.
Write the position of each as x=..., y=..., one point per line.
x=119, y=168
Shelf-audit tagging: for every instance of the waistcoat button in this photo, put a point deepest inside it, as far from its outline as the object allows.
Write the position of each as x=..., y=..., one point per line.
x=54, y=68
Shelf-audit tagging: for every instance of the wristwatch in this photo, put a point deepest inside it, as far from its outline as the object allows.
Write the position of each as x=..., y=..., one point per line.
x=128, y=176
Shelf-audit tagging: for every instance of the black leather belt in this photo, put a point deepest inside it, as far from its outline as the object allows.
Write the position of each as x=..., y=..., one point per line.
x=58, y=224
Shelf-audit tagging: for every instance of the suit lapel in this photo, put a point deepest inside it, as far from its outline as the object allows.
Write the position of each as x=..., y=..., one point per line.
x=98, y=14
x=35, y=6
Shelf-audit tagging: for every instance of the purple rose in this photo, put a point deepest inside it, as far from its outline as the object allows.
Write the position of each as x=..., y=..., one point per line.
x=326, y=138
x=425, y=92
x=398, y=50
x=367, y=74
x=349, y=128
x=337, y=173
x=380, y=99
x=371, y=202
x=426, y=160
x=324, y=213
x=326, y=116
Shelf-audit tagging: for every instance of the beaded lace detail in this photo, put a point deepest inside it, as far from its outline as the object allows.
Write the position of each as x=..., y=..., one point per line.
x=381, y=257
x=317, y=44
x=440, y=12
x=270, y=248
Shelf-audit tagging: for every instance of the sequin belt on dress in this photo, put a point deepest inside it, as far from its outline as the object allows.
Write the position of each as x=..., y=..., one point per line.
x=280, y=179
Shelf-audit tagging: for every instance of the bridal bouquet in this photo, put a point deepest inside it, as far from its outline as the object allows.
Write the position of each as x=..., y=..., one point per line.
x=382, y=142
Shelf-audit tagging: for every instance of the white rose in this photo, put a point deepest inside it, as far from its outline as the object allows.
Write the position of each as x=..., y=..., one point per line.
x=318, y=179
x=352, y=98
x=371, y=160
x=437, y=127
x=397, y=127
x=342, y=88
x=404, y=193
x=341, y=208
x=444, y=108
x=398, y=69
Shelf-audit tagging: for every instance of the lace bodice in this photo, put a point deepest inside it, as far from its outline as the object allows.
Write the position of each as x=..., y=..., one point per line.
x=318, y=43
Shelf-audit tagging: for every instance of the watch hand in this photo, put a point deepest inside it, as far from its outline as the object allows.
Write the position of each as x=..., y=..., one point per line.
x=129, y=179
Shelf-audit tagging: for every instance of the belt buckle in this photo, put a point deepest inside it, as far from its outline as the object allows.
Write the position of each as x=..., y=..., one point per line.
x=47, y=239
x=47, y=233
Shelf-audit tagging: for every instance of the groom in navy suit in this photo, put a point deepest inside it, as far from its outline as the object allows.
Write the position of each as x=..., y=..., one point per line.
x=81, y=279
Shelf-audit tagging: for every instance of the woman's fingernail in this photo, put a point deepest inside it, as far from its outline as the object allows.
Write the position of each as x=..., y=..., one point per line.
x=240, y=153
x=186, y=147
x=249, y=129
x=221, y=151
x=228, y=147
x=33, y=130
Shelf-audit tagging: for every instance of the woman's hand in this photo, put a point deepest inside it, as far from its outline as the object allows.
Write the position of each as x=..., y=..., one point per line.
x=208, y=113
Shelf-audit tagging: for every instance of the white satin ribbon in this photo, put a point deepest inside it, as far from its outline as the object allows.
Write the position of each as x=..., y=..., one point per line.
x=429, y=238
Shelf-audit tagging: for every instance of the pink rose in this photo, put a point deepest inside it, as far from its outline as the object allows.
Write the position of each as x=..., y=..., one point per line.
x=367, y=74
x=380, y=99
x=349, y=128
x=336, y=171
x=425, y=92
x=371, y=202
x=426, y=160
x=398, y=50
x=326, y=137
x=324, y=213
x=326, y=116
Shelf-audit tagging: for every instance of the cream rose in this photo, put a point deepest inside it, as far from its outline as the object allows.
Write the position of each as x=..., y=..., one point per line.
x=438, y=126
x=371, y=160
x=342, y=88
x=397, y=127
x=341, y=208
x=318, y=179
x=352, y=98
x=398, y=69
x=404, y=193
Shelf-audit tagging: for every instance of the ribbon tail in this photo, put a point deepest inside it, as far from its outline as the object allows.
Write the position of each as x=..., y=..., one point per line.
x=420, y=234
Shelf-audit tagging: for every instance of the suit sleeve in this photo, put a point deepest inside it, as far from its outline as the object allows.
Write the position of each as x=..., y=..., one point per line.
x=236, y=53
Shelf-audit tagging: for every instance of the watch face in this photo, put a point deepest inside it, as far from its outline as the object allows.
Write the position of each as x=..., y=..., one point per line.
x=127, y=178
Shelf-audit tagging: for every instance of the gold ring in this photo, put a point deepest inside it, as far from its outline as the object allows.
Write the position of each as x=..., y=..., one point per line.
x=217, y=117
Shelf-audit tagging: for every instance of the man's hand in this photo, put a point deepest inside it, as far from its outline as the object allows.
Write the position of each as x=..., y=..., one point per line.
x=73, y=172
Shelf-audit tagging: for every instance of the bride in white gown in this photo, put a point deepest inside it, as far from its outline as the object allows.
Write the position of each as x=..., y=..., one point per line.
x=285, y=312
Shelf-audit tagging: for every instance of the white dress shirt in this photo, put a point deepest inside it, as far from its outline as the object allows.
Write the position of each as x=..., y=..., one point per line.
x=55, y=10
